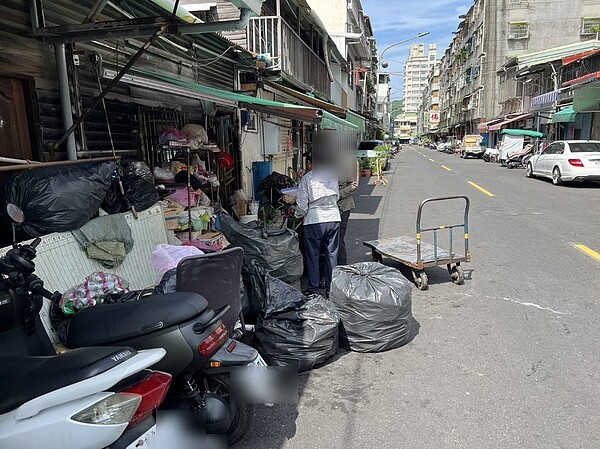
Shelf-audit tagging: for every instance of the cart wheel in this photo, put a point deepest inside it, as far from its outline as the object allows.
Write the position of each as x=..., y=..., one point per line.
x=421, y=280
x=458, y=277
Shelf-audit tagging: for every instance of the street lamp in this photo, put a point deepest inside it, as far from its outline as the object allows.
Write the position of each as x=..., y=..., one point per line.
x=400, y=43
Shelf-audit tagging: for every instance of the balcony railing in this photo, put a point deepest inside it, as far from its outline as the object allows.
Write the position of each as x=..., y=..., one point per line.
x=272, y=36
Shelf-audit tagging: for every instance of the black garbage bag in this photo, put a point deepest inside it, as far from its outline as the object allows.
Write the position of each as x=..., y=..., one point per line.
x=276, y=250
x=58, y=198
x=139, y=169
x=374, y=304
x=168, y=283
x=141, y=193
x=294, y=330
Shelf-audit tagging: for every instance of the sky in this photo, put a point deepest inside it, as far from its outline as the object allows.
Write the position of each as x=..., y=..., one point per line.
x=397, y=20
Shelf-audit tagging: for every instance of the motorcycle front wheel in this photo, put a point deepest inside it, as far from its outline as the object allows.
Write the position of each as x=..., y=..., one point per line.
x=242, y=414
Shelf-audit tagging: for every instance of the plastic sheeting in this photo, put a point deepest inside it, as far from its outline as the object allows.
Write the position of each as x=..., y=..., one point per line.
x=294, y=330
x=166, y=257
x=58, y=198
x=274, y=249
x=374, y=304
x=510, y=144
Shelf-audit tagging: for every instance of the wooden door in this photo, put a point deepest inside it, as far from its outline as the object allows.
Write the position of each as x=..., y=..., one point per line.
x=14, y=130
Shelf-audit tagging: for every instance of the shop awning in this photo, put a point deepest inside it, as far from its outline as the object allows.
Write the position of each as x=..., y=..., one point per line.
x=483, y=127
x=313, y=101
x=357, y=120
x=165, y=83
x=578, y=57
x=547, y=98
x=499, y=126
x=566, y=115
x=589, y=78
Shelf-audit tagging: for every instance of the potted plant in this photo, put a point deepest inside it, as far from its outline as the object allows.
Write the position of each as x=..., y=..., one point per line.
x=366, y=166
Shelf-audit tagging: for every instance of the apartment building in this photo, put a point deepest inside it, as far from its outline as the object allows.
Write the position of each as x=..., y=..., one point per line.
x=416, y=73
x=352, y=33
x=474, y=87
x=384, y=102
x=429, y=111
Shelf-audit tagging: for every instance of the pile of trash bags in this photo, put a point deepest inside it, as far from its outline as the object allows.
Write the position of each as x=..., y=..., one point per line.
x=274, y=249
x=374, y=305
x=292, y=329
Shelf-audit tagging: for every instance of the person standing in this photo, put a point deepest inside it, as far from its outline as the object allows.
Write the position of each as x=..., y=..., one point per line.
x=345, y=204
x=318, y=194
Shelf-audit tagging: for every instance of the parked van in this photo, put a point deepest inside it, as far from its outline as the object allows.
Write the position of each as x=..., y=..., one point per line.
x=471, y=146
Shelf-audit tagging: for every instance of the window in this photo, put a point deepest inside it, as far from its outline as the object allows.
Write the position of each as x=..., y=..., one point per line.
x=518, y=30
x=587, y=147
x=590, y=25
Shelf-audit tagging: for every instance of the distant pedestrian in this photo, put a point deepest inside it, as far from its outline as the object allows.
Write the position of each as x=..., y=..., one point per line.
x=318, y=194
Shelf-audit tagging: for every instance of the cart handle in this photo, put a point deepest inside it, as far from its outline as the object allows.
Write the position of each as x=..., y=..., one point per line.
x=465, y=225
x=445, y=198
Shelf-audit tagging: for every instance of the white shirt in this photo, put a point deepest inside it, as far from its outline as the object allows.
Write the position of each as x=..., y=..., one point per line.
x=317, y=198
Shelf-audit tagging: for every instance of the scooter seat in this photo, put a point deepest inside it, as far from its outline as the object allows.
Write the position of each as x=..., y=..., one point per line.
x=27, y=377
x=111, y=323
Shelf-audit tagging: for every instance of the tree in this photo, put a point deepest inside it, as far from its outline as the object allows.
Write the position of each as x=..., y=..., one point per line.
x=397, y=108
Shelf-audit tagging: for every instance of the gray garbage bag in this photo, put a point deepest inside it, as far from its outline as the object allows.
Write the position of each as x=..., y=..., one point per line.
x=277, y=250
x=292, y=329
x=374, y=304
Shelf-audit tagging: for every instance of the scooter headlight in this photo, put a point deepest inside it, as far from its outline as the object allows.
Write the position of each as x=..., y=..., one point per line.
x=117, y=408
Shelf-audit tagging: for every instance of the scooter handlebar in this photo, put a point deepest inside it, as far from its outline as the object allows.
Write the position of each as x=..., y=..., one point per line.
x=38, y=289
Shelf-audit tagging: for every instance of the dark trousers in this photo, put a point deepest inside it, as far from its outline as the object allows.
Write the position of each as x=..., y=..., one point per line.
x=321, y=237
x=342, y=253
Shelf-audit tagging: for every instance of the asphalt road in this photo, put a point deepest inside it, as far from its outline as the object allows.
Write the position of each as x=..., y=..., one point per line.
x=508, y=360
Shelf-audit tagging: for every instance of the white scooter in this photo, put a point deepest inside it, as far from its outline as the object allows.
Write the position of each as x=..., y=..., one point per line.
x=88, y=398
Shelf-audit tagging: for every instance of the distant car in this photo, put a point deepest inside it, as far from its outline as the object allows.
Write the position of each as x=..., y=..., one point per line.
x=471, y=146
x=367, y=149
x=567, y=160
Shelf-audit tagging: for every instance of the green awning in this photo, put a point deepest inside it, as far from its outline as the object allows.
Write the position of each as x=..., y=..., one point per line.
x=357, y=120
x=304, y=113
x=564, y=116
x=522, y=132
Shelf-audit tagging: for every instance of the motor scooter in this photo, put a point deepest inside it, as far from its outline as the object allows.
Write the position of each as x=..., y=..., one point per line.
x=87, y=398
x=199, y=354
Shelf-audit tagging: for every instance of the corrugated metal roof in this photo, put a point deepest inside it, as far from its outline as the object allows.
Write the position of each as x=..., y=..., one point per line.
x=556, y=53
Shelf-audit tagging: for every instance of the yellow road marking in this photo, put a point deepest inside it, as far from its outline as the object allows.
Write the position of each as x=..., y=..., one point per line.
x=446, y=168
x=481, y=189
x=589, y=251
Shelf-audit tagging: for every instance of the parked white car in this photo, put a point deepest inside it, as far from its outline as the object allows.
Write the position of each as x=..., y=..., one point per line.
x=567, y=160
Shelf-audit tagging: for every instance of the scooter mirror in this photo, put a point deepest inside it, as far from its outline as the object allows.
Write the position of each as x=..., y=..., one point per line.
x=15, y=213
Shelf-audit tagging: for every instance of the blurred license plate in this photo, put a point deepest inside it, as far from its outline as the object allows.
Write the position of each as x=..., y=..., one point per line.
x=597, y=162
x=258, y=361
